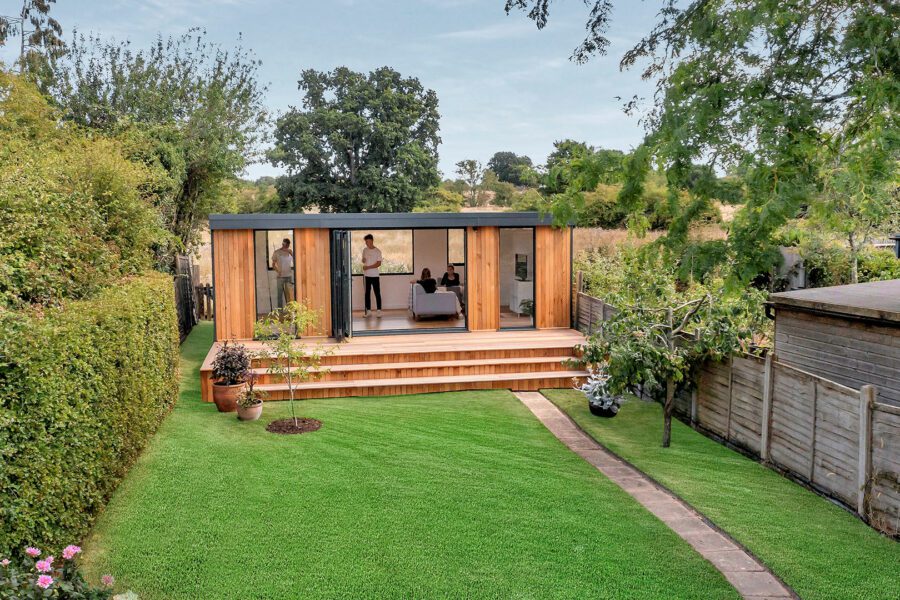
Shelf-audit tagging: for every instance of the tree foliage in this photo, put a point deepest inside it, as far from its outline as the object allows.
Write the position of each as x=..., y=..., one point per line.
x=787, y=94
x=74, y=211
x=40, y=36
x=471, y=172
x=190, y=110
x=509, y=166
x=360, y=142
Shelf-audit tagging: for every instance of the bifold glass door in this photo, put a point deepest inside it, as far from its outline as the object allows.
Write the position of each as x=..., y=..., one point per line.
x=340, y=284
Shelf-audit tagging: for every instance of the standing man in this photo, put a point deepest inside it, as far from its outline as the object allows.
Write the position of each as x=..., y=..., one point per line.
x=371, y=262
x=283, y=263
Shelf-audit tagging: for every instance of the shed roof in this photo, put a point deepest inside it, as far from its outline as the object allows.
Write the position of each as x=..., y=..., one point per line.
x=878, y=300
x=377, y=220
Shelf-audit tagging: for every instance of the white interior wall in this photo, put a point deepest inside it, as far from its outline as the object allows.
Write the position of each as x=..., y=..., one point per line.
x=430, y=251
x=512, y=242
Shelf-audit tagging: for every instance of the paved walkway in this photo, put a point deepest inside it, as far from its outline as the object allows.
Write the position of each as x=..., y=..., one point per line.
x=743, y=570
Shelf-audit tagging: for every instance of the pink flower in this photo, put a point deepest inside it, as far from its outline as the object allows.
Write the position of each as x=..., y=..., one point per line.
x=4, y=562
x=70, y=551
x=43, y=566
x=107, y=580
x=32, y=551
x=44, y=581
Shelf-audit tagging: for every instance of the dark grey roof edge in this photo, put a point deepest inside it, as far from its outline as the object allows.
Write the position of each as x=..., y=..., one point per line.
x=874, y=300
x=376, y=220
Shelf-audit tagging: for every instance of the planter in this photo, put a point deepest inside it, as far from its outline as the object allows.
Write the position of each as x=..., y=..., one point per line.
x=250, y=413
x=600, y=411
x=225, y=396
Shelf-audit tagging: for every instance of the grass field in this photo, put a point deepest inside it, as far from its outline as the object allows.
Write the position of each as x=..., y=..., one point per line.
x=816, y=547
x=442, y=495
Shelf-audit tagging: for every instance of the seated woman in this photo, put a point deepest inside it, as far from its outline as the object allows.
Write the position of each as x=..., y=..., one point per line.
x=451, y=281
x=427, y=282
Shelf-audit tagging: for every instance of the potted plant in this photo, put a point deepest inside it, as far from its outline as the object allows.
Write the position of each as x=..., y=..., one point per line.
x=601, y=402
x=229, y=373
x=250, y=401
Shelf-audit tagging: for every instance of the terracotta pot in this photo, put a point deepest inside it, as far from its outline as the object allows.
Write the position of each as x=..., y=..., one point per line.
x=250, y=413
x=225, y=396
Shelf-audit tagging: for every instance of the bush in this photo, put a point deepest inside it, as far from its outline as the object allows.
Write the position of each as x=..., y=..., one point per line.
x=83, y=387
x=43, y=575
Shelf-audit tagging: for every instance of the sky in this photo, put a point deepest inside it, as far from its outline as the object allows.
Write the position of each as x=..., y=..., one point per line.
x=501, y=83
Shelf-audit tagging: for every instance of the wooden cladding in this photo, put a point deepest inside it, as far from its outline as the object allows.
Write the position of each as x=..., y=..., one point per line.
x=234, y=285
x=483, y=277
x=313, y=272
x=553, y=277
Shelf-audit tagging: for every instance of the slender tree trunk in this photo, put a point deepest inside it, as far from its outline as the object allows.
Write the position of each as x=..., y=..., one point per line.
x=670, y=387
x=854, y=260
x=291, y=391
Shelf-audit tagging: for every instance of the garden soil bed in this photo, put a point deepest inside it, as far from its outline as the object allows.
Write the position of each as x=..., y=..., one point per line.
x=286, y=426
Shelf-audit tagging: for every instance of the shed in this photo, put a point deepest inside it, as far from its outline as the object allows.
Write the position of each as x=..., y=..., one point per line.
x=848, y=333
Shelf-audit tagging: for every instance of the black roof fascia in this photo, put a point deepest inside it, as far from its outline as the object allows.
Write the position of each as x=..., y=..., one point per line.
x=376, y=220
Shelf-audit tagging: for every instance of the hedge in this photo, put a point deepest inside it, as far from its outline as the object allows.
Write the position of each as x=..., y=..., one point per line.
x=83, y=387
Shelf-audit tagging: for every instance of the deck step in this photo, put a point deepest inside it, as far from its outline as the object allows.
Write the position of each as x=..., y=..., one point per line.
x=413, y=385
x=434, y=368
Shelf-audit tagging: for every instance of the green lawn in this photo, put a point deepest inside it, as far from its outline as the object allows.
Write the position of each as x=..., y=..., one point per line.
x=442, y=495
x=814, y=546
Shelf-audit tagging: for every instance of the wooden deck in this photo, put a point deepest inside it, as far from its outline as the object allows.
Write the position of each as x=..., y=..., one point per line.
x=428, y=362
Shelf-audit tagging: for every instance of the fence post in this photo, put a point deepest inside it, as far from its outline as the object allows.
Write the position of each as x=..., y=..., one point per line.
x=866, y=400
x=812, y=441
x=694, y=405
x=579, y=283
x=730, y=396
x=768, y=376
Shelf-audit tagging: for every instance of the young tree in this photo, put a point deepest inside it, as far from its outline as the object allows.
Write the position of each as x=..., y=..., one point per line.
x=472, y=173
x=361, y=142
x=293, y=362
x=189, y=109
x=509, y=166
x=776, y=91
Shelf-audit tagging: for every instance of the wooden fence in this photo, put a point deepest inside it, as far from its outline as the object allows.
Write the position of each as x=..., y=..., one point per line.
x=840, y=441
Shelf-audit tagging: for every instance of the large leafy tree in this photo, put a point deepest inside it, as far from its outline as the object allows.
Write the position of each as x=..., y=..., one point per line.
x=471, y=172
x=509, y=166
x=785, y=93
x=40, y=35
x=189, y=109
x=360, y=142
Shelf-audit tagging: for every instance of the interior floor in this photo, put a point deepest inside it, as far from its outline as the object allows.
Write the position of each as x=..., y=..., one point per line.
x=394, y=319
x=510, y=319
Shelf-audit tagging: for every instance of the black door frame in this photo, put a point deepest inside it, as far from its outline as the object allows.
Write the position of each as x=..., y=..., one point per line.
x=341, y=317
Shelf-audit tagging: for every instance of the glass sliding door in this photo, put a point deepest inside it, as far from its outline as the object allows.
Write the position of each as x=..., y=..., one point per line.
x=273, y=255
x=516, y=278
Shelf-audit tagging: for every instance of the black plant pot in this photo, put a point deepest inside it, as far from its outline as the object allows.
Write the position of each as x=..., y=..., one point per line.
x=600, y=411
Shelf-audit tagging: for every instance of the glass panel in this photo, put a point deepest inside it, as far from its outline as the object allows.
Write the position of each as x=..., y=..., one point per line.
x=274, y=268
x=456, y=246
x=516, y=277
x=396, y=247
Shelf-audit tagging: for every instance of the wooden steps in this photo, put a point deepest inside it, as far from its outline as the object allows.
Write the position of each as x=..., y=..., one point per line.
x=428, y=362
x=418, y=385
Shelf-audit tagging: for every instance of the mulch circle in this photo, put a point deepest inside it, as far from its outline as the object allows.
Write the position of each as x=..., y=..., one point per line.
x=286, y=426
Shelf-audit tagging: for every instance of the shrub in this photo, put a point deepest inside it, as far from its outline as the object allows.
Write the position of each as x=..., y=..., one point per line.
x=83, y=387
x=232, y=364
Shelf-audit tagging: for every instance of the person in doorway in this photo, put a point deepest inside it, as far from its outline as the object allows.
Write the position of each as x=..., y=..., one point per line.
x=427, y=281
x=283, y=263
x=451, y=281
x=371, y=262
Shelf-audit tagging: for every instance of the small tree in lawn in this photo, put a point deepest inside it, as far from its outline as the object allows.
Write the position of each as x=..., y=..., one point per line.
x=292, y=362
x=654, y=345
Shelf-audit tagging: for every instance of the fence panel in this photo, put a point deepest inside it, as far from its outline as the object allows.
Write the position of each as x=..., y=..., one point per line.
x=791, y=441
x=185, y=302
x=883, y=507
x=836, y=458
x=714, y=397
x=746, y=402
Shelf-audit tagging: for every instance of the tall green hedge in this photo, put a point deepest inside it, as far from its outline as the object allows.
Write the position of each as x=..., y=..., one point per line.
x=82, y=389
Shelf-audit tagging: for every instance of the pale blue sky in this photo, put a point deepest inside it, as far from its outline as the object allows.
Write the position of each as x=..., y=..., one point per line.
x=502, y=85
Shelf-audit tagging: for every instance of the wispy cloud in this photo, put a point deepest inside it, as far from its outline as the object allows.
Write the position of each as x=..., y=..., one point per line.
x=505, y=30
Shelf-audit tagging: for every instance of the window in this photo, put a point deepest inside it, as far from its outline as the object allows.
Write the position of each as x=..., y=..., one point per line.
x=274, y=268
x=456, y=246
x=396, y=247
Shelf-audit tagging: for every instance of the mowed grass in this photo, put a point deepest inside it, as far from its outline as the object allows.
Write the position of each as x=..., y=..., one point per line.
x=819, y=549
x=442, y=495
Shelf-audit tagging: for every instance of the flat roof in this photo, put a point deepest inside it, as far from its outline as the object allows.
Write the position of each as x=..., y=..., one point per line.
x=377, y=220
x=878, y=300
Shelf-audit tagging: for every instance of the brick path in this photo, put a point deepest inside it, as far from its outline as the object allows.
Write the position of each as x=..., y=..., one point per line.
x=743, y=570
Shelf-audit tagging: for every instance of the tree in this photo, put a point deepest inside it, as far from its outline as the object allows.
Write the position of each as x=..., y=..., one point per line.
x=440, y=200
x=360, y=143
x=40, y=35
x=508, y=166
x=472, y=173
x=190, y=110
x=780, y=92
